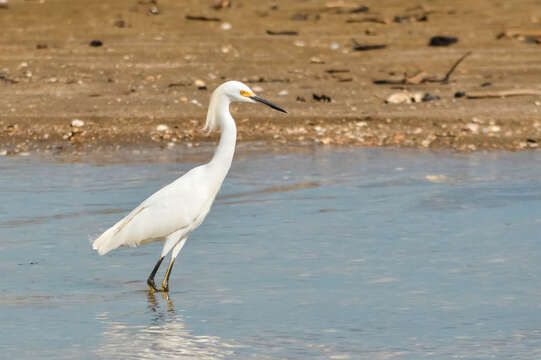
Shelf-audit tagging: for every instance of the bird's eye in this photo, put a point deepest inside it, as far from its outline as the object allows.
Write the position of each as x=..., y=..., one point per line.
x=246, y=93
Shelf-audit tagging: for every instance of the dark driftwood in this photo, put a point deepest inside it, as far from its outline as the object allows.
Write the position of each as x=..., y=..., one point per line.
x=448, y=75
x=423, y=77
x=202, y=18
x=286, y=32
x=8, y=80
x=519, y=32
x=502, y=93
x=359, y=47
x=370, y=19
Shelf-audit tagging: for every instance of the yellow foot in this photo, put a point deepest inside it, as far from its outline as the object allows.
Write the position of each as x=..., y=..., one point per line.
x=165, y=287
x=152, y=286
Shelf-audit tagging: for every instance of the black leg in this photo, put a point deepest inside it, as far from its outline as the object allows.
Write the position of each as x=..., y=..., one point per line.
x=165, y=283
x=150, y=280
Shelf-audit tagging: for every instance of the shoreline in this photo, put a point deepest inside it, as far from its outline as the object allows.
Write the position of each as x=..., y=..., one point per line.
x=97, y=135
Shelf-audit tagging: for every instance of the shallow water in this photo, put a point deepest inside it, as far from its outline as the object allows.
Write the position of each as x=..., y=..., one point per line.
x=323, y=254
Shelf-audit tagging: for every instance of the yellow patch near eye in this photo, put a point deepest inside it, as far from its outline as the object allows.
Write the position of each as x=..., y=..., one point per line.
x=246, y=93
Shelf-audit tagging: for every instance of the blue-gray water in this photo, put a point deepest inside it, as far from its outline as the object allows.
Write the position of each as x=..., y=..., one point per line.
x=323, y=254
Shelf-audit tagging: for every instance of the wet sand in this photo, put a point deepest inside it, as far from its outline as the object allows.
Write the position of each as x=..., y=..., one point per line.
x=143, y=74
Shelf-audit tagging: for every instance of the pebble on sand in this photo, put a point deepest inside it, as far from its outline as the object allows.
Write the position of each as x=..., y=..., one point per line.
x=200, y=84
x=77, y=123
x=399, y=98
x=474, y=128
x=408, y=98
x=162, y=128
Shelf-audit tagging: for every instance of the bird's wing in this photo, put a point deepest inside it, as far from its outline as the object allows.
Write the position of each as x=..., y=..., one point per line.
x=174, y=207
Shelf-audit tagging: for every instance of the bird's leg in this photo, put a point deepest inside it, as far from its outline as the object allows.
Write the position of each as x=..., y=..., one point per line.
x=150, y=280
x=165, y=283
x=176, y=251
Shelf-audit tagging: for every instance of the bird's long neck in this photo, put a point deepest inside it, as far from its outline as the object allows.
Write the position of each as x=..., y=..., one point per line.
x=223, y=155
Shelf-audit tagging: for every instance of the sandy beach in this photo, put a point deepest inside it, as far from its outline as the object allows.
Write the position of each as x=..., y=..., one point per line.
x=87, y=75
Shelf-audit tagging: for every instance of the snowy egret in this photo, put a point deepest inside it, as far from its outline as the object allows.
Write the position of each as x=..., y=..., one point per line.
x=171, y=213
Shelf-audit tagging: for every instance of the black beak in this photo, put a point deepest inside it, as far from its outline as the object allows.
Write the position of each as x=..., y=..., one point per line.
x=263, y=101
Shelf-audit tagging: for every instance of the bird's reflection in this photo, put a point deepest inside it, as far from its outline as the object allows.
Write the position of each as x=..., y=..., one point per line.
x=155, y=307
x=164, y=335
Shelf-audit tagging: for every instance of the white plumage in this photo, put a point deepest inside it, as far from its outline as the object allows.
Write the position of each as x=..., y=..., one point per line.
x=177, y=209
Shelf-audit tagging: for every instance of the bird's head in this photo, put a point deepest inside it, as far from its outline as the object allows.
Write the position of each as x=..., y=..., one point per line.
x=232, y=91
x=237, y=91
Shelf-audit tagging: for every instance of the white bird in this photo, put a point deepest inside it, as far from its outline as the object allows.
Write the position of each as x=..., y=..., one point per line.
x=174, y=211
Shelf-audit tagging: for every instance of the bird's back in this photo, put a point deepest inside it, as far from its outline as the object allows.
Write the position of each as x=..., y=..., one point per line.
x=181, y=205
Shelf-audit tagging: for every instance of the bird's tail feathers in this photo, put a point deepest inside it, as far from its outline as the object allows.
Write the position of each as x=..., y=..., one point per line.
x=105, y=242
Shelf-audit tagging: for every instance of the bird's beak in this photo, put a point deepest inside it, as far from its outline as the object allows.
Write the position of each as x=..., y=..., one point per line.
x=268, y=103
